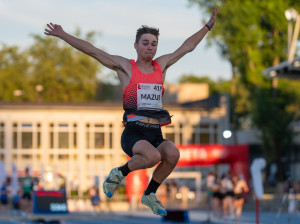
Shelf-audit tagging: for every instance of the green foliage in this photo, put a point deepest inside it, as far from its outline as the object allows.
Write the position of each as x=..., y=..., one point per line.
x=66, y=74
x=14, y=69
x=252, y=36
x=273, y=118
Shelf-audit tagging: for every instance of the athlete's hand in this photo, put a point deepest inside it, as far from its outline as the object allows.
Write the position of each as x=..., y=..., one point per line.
x=212, y=20
x=54, y=30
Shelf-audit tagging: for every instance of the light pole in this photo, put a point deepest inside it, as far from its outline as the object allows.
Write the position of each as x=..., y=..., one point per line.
x=292, y=16
x=39, y=88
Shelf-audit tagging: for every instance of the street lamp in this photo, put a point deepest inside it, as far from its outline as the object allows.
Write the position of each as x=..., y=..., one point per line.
x=292, y=16
x=227, y=134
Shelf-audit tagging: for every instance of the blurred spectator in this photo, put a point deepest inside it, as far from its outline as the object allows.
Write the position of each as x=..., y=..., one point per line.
x=4, y=198
x=16, y=201
x=290, y=194
x=217, y=197
x=240, y=187
x=272, y=176
x=172, y=188
x=95, y=198
x=27, y=187
x=227, y=188
x=210, y=179
x=184, y=191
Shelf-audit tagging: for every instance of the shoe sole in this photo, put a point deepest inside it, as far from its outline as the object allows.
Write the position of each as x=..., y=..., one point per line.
x=108, y=194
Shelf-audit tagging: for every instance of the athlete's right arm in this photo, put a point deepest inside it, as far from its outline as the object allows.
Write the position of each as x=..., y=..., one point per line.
x=113, y=62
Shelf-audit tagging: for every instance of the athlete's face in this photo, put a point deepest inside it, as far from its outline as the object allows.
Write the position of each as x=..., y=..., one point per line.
x=147, y=46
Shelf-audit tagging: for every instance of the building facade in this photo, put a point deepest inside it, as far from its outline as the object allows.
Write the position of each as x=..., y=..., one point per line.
x=82, y=141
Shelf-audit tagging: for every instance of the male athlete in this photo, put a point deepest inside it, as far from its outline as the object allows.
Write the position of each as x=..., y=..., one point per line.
x=142, y=84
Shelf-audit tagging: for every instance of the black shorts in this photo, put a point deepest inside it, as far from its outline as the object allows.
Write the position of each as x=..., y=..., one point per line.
x=238, y=196
x=229, y=194
x=4, y=201
x=136, y=131
x=26, y=196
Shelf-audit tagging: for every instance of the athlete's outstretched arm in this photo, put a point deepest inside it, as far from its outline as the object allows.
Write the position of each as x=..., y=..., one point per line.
x=110, y=61
x=189, y=44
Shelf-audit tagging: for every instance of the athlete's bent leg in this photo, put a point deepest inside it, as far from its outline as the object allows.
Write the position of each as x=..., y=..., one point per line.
x=169, y=157
x=144, y=156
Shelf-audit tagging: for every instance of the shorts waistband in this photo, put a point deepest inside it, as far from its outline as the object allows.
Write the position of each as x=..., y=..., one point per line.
x=143, y=124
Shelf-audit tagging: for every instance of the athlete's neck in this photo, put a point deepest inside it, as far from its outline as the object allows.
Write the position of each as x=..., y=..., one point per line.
x=145, y=67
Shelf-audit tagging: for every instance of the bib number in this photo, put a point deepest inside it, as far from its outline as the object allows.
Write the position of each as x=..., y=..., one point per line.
x=149, y=96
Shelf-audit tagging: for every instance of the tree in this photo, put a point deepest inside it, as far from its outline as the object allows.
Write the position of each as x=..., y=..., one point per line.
x=14, y=68
x=66, y=74
x=49, y=70
x=252, y=35
x=274, y=120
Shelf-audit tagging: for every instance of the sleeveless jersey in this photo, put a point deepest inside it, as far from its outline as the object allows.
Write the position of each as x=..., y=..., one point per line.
x=142, y=97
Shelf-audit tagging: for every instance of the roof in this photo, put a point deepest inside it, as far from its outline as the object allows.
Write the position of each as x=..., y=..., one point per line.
x=207, y=104
x=285, y=70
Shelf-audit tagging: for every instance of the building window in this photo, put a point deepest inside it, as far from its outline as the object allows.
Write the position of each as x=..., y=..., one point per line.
x=205, y=133
x=26, y=142
x=26, y=135
x=99, y=136
x=2, y=135
x=99, y=140
x=63, y=140
x=174, y=133
x=87, y=139
x=169, y=133
x=110, y=136
x=62, y=135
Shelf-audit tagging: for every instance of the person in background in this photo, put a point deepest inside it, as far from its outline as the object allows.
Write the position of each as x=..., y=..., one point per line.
x=227, y=186
x=95, y=198
x=240, y=188
x=210, y=180
x=184, y=190
x=27, y=188
x=16, y=201
x=4, y=198
x=217, y=197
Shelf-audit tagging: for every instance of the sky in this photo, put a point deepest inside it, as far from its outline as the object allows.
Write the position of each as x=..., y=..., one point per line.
x=117, y=21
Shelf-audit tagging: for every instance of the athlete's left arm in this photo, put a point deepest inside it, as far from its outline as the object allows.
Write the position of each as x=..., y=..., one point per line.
x=189, y=45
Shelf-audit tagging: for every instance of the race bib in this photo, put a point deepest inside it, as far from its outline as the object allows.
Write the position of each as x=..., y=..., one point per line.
x=149, y=96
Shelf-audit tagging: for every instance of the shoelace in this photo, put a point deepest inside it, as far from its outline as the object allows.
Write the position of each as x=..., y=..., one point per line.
x=119, y=177
x=156, y=200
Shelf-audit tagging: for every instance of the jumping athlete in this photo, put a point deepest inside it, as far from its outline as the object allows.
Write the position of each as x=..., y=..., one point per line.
x=142, y=83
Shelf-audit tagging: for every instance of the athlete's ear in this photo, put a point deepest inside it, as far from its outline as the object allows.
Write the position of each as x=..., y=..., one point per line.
x=135, y=45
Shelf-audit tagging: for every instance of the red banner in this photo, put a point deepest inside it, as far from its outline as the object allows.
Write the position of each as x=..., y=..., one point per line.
x=203, y=155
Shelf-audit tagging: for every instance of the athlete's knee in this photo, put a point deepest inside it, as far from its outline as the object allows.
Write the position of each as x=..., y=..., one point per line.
x=153, y=159
x=173, y=155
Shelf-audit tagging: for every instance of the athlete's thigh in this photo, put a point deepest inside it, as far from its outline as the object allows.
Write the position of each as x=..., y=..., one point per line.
x=144, y=148
x=167, y=150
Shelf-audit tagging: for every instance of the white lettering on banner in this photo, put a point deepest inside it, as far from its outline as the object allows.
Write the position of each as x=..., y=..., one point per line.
x=58, y=207
x=149, y=96
x=219, y=153
x=193, y=154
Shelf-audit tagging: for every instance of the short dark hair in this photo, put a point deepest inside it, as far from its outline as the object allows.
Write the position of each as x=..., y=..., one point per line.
x=144, y=30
